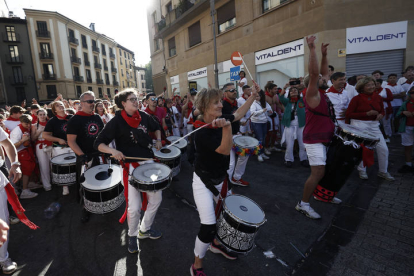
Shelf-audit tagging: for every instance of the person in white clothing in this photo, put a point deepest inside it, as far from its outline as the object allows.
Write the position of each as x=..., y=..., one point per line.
x=387, y=97
x=350, y=90
x=13, y=120
x=245, y=121
x=242, y=82
x=331, y=71
x=408, y=81
x=338, y=95
x=398, y=94
x=403, y=79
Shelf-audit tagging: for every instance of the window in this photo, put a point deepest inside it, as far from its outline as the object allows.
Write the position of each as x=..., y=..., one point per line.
x=120, y=52
x=20, y=94
x=156, y=44
x=14, y=54
x=42, y=27
x=94, y=43
x=171, y=47
x=48, y=70
x=122, y=72
x=226, y=16
x=17, y=75
x=98, y=76
x=142, y=77
x=90, y=88
x=78, y=91
x=168, y=7
x=127, y=83
x=107, y=78
x=143, y=85
x=104, y=62
x=100, y=92
x=95, y=59
x=194, y=34
x=45, y=48
x=86, y=59
x=270, y=4
x=113, y=78
x=76, y=71
x=73, y=52
x=11, y=34
x=123, y=84
x=108, y=92
x=88, y=76
x=84, y=43
x=51, y=91
x=124, y=54
x=112, y=64
x=110, y=52
x=103, y=49
x=71, y=33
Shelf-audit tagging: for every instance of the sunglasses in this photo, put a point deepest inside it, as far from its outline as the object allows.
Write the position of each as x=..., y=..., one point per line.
x=231, y=90
x=153, y=99
x=133, y=100
x=89, y=101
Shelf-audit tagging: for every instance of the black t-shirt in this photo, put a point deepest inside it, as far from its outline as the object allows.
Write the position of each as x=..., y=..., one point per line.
x=208, y=161
x=86, y=129
x=133, y=142
x=228, y=109
x=58, y=127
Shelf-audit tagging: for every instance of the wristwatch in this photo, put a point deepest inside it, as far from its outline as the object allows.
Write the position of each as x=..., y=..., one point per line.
x=16, y=163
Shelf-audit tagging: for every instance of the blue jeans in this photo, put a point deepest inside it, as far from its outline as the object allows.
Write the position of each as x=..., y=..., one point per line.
x=260, y=129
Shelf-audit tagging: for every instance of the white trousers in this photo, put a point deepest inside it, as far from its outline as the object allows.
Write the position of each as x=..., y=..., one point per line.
x=387, y=125
x=381, y=149
x=135, y=204
x=237, y=168
x=43, y=158
x=292, y=133
x=4, y=215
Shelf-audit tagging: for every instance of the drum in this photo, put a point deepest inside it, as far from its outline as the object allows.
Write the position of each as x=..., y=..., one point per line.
x=182, y=145
x=343, y=155
x=151, y=177
x=103, y=192
x=246, y=145
x=63, y=169
x=239, y=221
x=171, y=157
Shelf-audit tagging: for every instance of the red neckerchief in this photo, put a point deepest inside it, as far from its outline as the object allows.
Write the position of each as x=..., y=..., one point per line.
x=245, y=97
x=84, y=114
x=101, y=114
x=12, y=119
x=333, y=90
x=391, y=84
x=233, y=104
x=62, y=118
x=294, y=99
x=268, y=94
x=189, y=109
x=34, y=121
x=149, y=111
x=17, y=207
x=132, y=121
x=42, y=123
x=409, y=82
x=23, y=129
x=199, y=123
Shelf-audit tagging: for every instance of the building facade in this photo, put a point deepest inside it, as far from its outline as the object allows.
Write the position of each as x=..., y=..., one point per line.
x=140, y=83
x=17, y=81
x=70, y=58
x=126, y=60
x=270, y=34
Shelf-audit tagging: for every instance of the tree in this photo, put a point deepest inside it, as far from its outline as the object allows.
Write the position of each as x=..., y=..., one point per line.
x=148, y=76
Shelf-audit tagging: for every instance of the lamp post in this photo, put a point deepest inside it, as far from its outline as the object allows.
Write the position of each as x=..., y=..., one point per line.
x=213, y=12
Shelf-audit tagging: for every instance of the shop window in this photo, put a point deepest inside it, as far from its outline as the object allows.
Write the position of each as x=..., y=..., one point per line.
x=270, y=4
x=171, y=47
x=51, y=91
x=194, y=34
x=226, y=16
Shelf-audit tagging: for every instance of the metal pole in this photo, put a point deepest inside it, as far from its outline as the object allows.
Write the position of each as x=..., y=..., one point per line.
x=213, y=12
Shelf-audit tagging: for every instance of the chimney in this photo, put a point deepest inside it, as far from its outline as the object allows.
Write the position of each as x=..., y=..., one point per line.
x=92, y=26
x=11, y=15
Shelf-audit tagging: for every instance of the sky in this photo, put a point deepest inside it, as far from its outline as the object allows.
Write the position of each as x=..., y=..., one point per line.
x=123, y=20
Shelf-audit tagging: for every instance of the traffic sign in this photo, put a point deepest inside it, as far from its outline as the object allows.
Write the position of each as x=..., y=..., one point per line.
x=236, y=58
x=234, y=73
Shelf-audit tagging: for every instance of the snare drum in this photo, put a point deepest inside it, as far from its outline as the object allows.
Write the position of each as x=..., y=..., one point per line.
x=182, y=145
x=246, y=145
x=103, y=192
x=171, y=157
x=343, y=155
x=151, y=177
x=239, y=221
x=64, y=169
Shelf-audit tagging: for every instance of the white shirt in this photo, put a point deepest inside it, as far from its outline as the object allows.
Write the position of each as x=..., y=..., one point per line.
x=240, y=102
x=383, y=95
x=175, y=112
x=15, y=136
x=401, y=80
x=258, y=115
x=396, y=89
x=340, y=102
x=406, y=86
x=3, y=136
x=350, y=89
x=10, y=125
x=106, y=118
x=240, y=89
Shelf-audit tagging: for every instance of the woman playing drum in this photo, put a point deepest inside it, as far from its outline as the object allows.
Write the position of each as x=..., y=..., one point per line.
x=130, y=129
x=365, y=112
x=213, y=145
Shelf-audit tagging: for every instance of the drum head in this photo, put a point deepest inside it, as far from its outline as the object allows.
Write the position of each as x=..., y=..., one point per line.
x=181, y=144
x=357, y=132
x=246, y=141
x=64, y=159
x=97, y=178
x=167, y=153
x=244, y=209
x=151, y=173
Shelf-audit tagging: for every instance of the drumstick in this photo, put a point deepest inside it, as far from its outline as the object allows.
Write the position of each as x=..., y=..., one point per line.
x=176, y=141
x=135, y=158
x=245, y=66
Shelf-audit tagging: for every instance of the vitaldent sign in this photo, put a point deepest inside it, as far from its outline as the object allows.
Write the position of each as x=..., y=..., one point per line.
x=291, y=49
x=375, y=38
x=198, y=73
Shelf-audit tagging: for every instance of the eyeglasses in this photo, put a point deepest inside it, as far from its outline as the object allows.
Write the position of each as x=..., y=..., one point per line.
x=133, y=100
x=153, y=99
x=230, y=90
x=89, y=101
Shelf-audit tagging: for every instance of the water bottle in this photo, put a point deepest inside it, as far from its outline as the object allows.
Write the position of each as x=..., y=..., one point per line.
x=52, y=210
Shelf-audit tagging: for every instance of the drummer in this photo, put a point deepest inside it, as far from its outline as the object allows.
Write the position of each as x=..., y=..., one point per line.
x=55, y=131
x=130, y=128
x=83, y=128
x=213, y=146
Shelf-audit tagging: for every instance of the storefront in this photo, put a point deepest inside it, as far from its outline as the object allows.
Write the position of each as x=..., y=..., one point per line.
x=280, y=63
x=199, y=78
x=376, y=47
x=175, y=84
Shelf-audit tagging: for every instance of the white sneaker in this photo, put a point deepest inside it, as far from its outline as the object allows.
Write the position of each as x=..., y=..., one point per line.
x=335, y=200
x=33, y=185
x=47, y=189
x=65, y=190
x=267, y=152
x=363, y=175
x=275, y=149
x=265, y=157
x=386, y=176
x=307, y=210
x=27, y=194
x=259, y=158
x=8, y=266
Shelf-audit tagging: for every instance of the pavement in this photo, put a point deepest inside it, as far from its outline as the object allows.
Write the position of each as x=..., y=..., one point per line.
x=288, y=243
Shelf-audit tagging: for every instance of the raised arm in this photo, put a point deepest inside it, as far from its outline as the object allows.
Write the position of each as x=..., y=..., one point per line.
x=312, y=93
x=242, y=110
x=324, y=62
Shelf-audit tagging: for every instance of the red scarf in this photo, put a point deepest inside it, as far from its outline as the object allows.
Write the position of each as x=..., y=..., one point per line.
x=132, y=121
x=409, y=82
x=42, y=123
x=268, y=94
x=34, y=121
x=84, y=114
x=245, y=97
x=12, y=119
x=189, y=109
x=391, y=84
x=149, y=111
x=17, y=207
x=233, y=104
x=62, y=118
x=294, y=99
x=23, y=129
x=199, y=123
x=333, y=90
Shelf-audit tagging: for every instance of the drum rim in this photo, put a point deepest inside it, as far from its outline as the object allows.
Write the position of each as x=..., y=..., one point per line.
x=357, y=136
x=176, y=145
x=245, y=147
x=51, y=160
x=167, y=158
x=106, y=189
x=241, y=220
x=152, y=182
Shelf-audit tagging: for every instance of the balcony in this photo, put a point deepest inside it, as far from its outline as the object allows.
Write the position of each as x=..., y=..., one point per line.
x=106, y=68
x=45, y=55
x=78, y=78
x=87, y=63
x=73, y=40
x=95, y=49
x=99, y=81
x=97, y=65
x=18, y=80
x=89, y=80
x=43, y=34
x=107, y=82
x=49, y=76
x=182, y=14
x=114, y=70
x=10, y=37
x=76, y=60
x=115, y=83
x=112, y=55
x=14, y=60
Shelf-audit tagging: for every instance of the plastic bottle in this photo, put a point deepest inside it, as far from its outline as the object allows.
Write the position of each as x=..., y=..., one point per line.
x=52, y=210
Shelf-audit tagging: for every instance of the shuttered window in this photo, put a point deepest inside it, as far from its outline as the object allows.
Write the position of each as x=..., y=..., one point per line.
x=194, y=34
x=171, y=47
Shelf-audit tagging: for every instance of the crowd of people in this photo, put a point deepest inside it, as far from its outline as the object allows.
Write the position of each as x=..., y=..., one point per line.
x=299, y=118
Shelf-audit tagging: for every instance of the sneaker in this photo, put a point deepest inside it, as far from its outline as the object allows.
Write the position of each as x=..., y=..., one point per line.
x=8, y=266
x=406, y=169
x=132, y=245
x=363, y=175
x=27, y=194
x=65, y=190
x=220, y=249
x=288, y=164
x=239, y=182
x=308, y=211
x=335, y=200
x=85, y=216
x=33, y=186
x=275, y=149
x=267, y=152
x=152, y=234
x=13, y=220
x=265, y=157
x=305, y=163
x=196, y=272
x=47, y=189
x=259, y=158
x=386, y=176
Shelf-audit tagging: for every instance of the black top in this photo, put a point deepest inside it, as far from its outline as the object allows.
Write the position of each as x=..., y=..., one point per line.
x=86, y=129
x=228, y=109
x=134, y=142
x=208, y=162
x=58, y=127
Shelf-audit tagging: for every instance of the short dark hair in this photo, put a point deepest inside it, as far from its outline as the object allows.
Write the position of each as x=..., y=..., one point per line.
x=50, y=113
x=227, y=85
x=35, y=106
x=337, y=75
x=332, y=68
x=122, y=97
x=245, y=87
x=409, y=68
x=149, y=95
x=392, y=75
x=26, y=118
x=380, y=81
x=242, y=72
x=16, y=109
x=378, y=71
x=270, y=86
